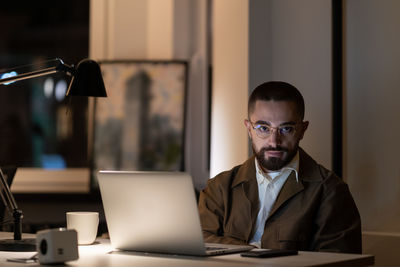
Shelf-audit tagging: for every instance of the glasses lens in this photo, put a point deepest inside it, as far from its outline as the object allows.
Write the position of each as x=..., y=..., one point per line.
x=286, y=130
x=264, y=131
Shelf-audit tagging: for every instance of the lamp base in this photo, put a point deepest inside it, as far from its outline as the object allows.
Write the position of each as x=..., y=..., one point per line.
x=23, y=245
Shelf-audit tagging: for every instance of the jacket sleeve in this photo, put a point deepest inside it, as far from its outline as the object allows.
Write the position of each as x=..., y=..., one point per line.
x=338, y=220
x=212, y=210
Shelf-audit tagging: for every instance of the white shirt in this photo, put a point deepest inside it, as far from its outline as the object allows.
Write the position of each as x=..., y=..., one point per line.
x=269, y=186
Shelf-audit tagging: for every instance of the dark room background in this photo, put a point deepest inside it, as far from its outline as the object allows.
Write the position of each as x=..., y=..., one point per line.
x=38, y=127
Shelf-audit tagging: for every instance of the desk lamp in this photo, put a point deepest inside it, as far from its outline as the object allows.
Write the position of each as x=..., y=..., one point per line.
x=86, y=81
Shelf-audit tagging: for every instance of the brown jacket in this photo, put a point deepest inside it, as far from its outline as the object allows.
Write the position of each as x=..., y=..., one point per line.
x=317, y=213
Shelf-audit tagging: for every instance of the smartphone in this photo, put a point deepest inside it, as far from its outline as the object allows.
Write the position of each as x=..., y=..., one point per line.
x=267, y=253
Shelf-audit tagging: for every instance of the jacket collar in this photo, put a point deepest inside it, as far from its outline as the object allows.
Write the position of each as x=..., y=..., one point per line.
x=246, y=173
x=289, y=189
x=309, y=169
x=308, y=172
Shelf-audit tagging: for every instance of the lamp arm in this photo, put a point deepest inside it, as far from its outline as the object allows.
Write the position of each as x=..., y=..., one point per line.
x=86, y=76
x=11, y=205
x=28, y=75
x=42, y=72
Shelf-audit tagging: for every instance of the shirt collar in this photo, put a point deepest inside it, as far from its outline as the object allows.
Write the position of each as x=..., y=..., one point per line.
x=293, y=165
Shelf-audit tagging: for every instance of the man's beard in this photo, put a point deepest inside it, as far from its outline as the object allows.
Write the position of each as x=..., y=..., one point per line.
x=273, y=163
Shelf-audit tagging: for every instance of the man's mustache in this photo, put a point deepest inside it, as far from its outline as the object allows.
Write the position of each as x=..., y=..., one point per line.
x=278, y=148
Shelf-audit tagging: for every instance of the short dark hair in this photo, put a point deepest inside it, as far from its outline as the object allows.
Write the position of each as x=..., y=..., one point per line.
x=277, y=91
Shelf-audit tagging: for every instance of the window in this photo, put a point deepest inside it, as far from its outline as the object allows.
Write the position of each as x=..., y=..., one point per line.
x=38, y=127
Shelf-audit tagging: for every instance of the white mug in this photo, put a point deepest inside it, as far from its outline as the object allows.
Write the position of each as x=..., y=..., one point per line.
x=85, y=223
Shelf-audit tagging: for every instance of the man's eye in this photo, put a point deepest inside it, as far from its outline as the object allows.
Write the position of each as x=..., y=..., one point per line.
x=286, y=129
x=262, y=128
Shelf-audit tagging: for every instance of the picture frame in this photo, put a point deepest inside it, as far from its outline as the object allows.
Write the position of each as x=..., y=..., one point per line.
x=141, y=124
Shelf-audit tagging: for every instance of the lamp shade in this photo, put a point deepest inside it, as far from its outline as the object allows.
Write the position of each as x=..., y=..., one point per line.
x=87, y=80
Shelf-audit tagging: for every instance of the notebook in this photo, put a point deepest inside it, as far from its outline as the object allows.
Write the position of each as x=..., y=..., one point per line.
x=155, y=212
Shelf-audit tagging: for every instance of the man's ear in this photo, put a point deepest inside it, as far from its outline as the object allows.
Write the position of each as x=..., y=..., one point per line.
x=304, y=127
x=247, y=124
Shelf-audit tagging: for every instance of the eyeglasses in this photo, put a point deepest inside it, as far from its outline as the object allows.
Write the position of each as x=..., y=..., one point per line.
x=265, y=131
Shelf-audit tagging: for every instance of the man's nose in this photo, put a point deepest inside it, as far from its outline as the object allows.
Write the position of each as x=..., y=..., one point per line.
x=275, y=138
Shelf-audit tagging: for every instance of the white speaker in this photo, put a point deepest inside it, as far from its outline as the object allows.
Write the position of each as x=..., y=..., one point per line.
x=57, y=245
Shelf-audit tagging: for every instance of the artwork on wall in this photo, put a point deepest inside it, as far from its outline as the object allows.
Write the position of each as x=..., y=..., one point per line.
x=141, y=124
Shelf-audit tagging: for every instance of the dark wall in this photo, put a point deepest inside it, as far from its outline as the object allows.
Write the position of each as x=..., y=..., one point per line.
x=34, y=31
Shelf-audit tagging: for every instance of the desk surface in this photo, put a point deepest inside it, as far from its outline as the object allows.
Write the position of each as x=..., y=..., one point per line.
x=101, y=254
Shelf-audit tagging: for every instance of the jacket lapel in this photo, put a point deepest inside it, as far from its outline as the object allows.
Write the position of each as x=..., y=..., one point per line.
x=289, y=189
x=246, y=180
x=308, y=171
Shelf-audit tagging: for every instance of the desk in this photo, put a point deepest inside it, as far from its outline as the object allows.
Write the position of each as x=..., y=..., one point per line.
x=100, y=254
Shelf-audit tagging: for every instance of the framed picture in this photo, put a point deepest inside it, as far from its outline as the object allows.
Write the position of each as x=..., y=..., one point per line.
x=141, y=124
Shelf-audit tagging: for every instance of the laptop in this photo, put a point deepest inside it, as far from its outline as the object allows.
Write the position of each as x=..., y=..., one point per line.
x=155, y=212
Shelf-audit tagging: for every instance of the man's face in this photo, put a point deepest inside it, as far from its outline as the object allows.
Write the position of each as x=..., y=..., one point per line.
x=275, y=129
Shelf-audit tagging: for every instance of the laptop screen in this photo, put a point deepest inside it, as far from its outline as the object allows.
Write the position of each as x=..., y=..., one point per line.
x=151, y=211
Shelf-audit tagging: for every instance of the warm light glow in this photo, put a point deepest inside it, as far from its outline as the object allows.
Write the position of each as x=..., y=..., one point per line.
x=229, y=140
x=96, y=248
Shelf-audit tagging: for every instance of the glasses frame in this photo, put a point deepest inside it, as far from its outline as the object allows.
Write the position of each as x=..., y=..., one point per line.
x=272, y=129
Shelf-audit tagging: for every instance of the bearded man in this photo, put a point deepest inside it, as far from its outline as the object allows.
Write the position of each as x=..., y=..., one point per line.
x=280, y=198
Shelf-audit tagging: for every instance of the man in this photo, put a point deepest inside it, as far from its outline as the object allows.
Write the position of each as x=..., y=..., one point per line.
x=280, y=198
